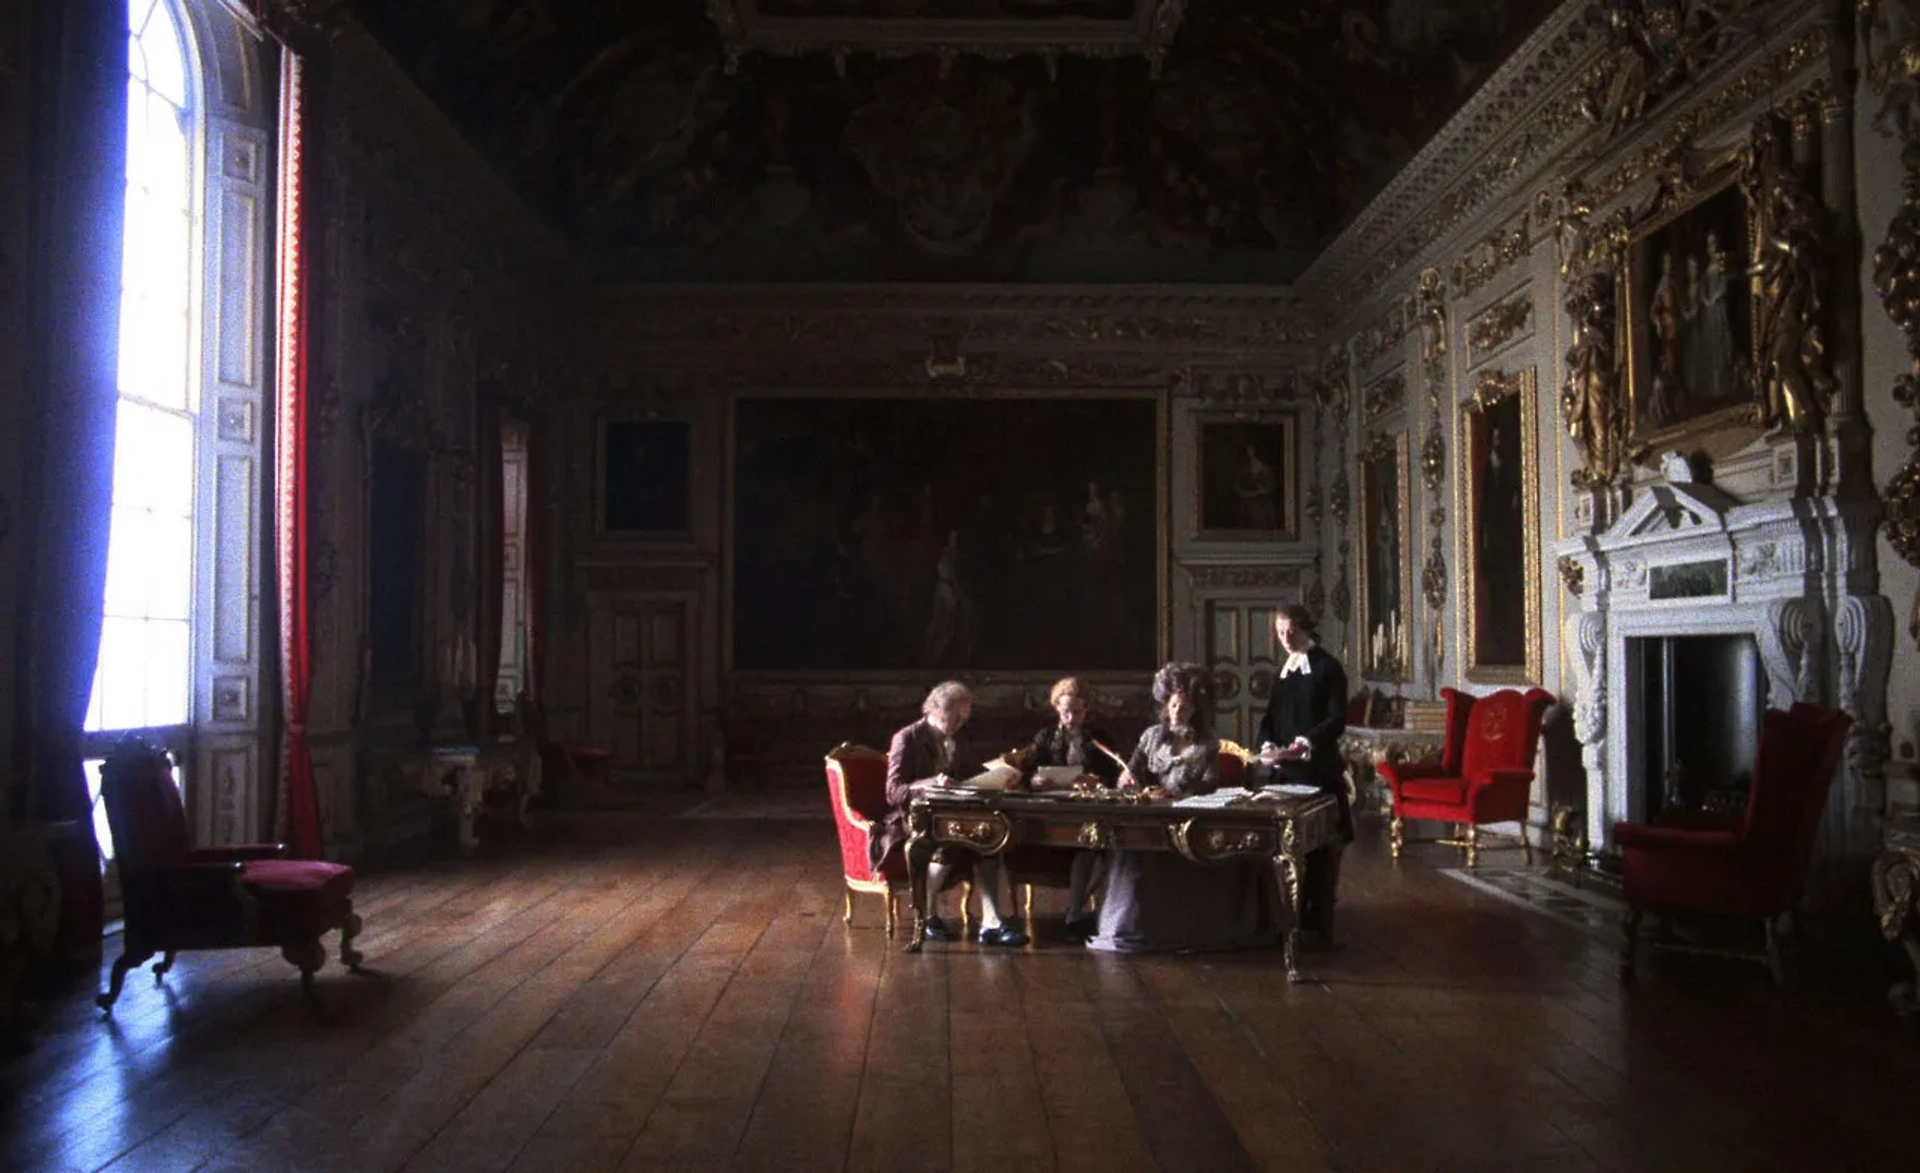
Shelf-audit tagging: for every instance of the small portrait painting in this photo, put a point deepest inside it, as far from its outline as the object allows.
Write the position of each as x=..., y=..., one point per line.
x=1690, y=316
x=1385, y=574
x=644, y=469
x=1247, y=479
x=1497, y=453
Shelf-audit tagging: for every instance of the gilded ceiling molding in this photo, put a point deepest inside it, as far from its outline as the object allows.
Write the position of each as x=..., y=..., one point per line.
x=1891, y=34
x=1535, y=107
x=1523, y=115
x=1147, y=31
x=718, y=316
x=1768, y=80
x=1238, y=388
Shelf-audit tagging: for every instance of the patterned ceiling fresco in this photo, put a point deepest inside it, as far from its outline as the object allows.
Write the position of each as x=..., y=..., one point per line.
x=1268, y=126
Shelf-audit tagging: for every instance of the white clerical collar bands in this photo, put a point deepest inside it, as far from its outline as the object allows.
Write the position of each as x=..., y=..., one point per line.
x=1296, y=662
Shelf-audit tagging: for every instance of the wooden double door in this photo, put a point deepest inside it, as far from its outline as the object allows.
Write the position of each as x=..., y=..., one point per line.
x=641, y=706
x=1243, y=657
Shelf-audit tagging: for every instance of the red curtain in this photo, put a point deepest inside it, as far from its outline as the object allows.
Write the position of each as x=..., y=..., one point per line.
x=76, y=173
x=300, y=805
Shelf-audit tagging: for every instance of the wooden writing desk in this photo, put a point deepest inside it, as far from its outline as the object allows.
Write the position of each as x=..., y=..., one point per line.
x=1280, y=831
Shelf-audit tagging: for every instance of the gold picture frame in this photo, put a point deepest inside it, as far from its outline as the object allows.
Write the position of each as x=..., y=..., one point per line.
x=1691, y=320
x=1499, y=535
x=1386, y=559
x=1248, y=477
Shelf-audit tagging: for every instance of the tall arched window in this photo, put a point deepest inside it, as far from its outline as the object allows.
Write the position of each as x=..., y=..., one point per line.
x=144, y=676
x=180, y=642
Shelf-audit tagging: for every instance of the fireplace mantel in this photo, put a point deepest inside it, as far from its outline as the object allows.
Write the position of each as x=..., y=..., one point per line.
x=1689, y=558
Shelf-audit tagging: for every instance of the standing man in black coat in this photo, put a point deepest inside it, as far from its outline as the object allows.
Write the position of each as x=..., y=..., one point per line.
x=1300, y=742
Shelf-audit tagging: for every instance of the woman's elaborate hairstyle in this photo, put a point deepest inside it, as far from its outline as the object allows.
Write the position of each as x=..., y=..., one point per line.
x=1301, y=618
x=1069, y=686
x=1192, y=679
x=943, y=696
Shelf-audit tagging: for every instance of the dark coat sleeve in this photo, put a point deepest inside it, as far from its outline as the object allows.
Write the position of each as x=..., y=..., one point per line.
x=1264, y=735
x=1330, y=705
x=907, y=763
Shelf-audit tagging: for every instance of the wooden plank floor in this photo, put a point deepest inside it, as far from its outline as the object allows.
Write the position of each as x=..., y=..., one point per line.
x=642, y=992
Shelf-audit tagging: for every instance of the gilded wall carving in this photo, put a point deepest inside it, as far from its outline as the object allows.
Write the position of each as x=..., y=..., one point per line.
x=1891, y=34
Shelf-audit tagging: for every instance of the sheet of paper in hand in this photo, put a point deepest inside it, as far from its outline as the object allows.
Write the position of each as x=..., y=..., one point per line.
x=1056, y=777
x=997, y=776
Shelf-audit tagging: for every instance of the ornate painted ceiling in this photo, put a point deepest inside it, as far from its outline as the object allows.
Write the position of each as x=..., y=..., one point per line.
x=1046, y=140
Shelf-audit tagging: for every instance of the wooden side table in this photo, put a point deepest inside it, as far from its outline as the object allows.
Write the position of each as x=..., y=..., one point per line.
x=466, y=775
x=1366, y=747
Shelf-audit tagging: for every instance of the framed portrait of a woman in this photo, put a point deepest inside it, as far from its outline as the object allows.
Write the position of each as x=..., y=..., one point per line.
x=1248, y=476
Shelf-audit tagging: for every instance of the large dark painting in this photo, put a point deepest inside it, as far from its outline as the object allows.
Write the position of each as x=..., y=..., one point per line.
x=1247, y=479
x=941, y=535
x=1498, y=462
x=1690, y=316
x=643, y=477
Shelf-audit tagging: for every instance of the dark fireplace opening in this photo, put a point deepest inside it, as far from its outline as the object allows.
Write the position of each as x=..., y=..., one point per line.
x=1701, y=697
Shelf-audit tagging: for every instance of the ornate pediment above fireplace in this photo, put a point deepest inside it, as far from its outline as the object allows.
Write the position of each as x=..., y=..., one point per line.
x=948, y=28
x=1675, y=510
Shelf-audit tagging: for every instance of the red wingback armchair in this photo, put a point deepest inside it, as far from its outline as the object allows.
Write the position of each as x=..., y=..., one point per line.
x=857, y=786
x=181, y=897
x=1749, y=863
x=1485, y=773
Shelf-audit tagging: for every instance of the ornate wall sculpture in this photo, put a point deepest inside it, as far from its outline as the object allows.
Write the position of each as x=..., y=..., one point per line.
x=1892, y=36
x=1435, y=369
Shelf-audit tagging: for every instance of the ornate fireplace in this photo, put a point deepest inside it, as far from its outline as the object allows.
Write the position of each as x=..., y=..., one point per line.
x=1689, y=559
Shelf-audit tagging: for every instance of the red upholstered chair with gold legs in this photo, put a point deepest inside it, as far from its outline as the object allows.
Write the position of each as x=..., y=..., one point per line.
x=857, y=787
x=179, y=897
x=1750, y=863
x=1484, y=775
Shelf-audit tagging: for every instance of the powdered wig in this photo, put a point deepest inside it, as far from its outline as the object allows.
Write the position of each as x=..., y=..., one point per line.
x=1069, y=686
x=1192, y=679
x=944, y=696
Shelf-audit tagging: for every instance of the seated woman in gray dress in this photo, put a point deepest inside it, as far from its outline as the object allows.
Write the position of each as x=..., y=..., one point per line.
x=1073, y=742
x=1155, y=900
x=927, y=753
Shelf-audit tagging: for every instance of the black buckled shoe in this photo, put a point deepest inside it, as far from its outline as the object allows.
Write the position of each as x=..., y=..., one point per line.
x=1005, y=936
x=1082, y=928
x=939, y=930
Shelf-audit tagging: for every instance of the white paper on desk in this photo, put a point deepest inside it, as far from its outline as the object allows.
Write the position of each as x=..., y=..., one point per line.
x=1214, y=801
x=1291, y=789
x=1056, y=776
x=997, y=776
